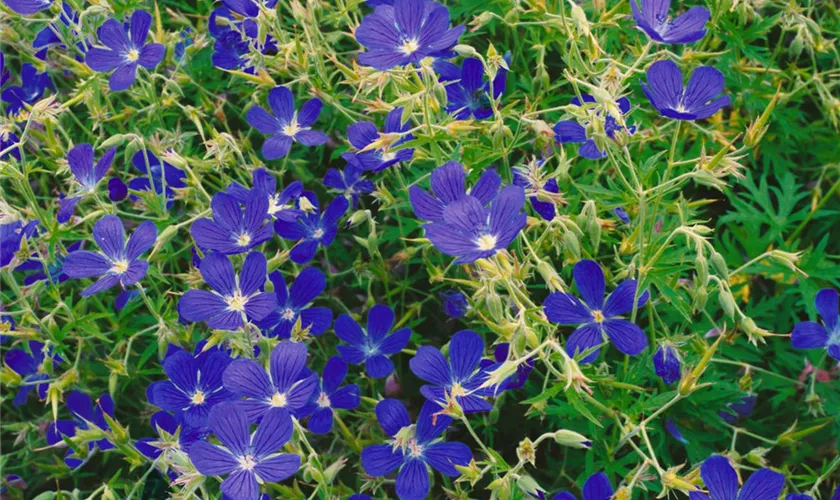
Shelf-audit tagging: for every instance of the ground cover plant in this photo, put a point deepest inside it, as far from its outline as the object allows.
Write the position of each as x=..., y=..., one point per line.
x=507, y=249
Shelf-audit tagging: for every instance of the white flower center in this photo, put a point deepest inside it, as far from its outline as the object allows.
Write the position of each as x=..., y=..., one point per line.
x=324, y=400
x=457, y=390
x=278, y=400
x=288, y=314
x=247, y=462
x=243, y=240
x=318, y=233
x=291, y=129
x=132, y=55
x=388, y=156
x=236, y=302
x=119, y=266
x=486, y=242
x=598, y=316
x=409, y=47
x=274, y=206
x=197, y=398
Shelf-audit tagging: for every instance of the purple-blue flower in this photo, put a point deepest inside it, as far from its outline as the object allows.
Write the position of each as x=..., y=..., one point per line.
x=373, y=345
x=7, y=140
x=11, y=235
x=469, y=231
x=413, y=448
x=467, y=94
x=234, y=300
x=286, y=125
x=171, y=436
x=812, y=335
x=164, y=176
x=666, y=363
x=448, y=183
x=455, y=303
x=722, y=482
x=596, y=487
x=288, y=384
x=28, y=7
x=232, y=229
x=246, y=459
x=331, y=397
x=4, y=72
x=126, y=49
x=595, y=317
x=570, y=131
x=518, y=379
x=88, y=175
x=735, y=411
x=621, y=214
x=84, y=414
x=38, y=270
x=362, y=134
x=698, y=100
x=313, y=228
x=405, y=33
x=118, y=261
x=49, y=34
x=652, y=17
x=675, y=431
x=280, y=204
x=294, y=304
x=193, y=388
x=32, y=86
x=117, y=190
x=349, y=182
x=30, y=367
x=532, y=179
x=460, y=378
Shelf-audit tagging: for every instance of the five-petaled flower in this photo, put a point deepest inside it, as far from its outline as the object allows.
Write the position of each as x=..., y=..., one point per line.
x=288, y=384
x=85, y=413
x=412, y=448
x=570, y=131
x=247, y=459
x=293, y=304
x=373, y=345
x=286, y=125
x=118, y=261
x=234, y=300
x=30, y=366
x=363, y=134
x=812, y=335
x=312, y=228
x=652, y=17
x=32, y=86
x=467, y=94
x=126, y=50
x=406, y=32
x=666, y=363
x=232, y=229
x=595, y=317
x=448, y=183
x=280, y=204
x=458, y=380
x=193, y=388
x=330, y=397
x=722, y=482
x=349, y=182
x=698, y=100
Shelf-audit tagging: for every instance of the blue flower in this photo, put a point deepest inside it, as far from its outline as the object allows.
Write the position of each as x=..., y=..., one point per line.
x=249, y=8
x=48, y=35
x=532, y=179
x=448, y=183
x=234, y=300
x=675, y=431
x=286, y=125
x=652, y=17
x=405, y=33
x=293, y=304
x=126, y=49
x=161, y=174
x=736, y=411
x=467, y=94
x=362, y=134
x=193, y=388
x=11, y=235
x=28, y=7
x=181, y=46
x=698, y=100
x=666, y=363
x=722, y=482
x=595, y=317
x=247, y=459
x=117, y=190
x=470, y=232
x=30, y=366
x=412, y=448
x=84, y=414
x=280, y=204
x=4, y=73
x=455, y=303
x=118, y=261
x=288, y=384
x=171, y=436
x=460, y=379
x=32, y=87
x=812, y=335
x=500, y=355
x=7, y=140
x=80, y=159
x=349, y=182
x=621, y=214
x=373, y=345
x=570, y=131
x=233, y=230
x=596, y=487
x=313, y=228
x=44, y=271
x=331, y=397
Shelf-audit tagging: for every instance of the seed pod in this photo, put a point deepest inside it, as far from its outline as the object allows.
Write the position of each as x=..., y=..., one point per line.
x=701, y=265
x=571, y=245
x=719, y=265
x=727, y=301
